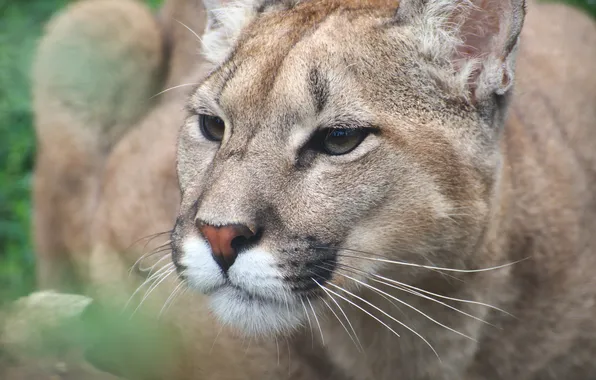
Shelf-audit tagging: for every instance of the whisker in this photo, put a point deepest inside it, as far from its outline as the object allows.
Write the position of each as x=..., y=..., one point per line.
x=190, y=30
x=286, y=302
x=386, y=257
x=445, y=297
x=340, y=321
x=388, y=315
x=312, y=335
x=173, y=88
x=248, y=346
x=345, y=316
x=289, y=357
x=435, y=294
x=436, y=268
x=316, y=319
x=150, y=269
x=170, y=299
x=159, y=249
x=384, y=297
x=161, y=279
x=408, y=305
x=149, y=237
x=155, y=236
x=355, y=305
x=148, y=280
x=404, y=289
x=176, y=297
x=277, y=346
x=165, y=244
x=168, y=267
x=215, y=340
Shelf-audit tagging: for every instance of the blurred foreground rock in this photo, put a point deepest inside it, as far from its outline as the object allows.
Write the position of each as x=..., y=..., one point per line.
x=41, y=338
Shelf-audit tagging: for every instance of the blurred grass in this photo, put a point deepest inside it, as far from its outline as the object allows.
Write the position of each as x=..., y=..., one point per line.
x=21, y=23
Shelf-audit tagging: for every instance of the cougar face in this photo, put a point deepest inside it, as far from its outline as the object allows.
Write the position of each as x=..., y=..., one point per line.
x=325, y=139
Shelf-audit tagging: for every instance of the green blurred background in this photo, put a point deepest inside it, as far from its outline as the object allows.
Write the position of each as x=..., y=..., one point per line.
x=21, y=22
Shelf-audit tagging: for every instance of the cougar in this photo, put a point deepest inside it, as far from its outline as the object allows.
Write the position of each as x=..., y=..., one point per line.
x=359, y=189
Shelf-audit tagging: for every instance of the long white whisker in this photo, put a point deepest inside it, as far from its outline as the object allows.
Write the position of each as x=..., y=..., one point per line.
x=289, y=357
x=408, y=305
x=215, y=340
x=316, y=319
x=157, y=250
x=152, y=288
x=444, y=297
x=286, y=302
x=159, y=246
x=248, y=346
x=148, y=280
x=170, y=299
x=407, y=290
x=434, y=268
x=277, y=346
x=341, y=322
x=384, y=297
x=190, y=30
x=156, y=277
x=388, y=315
x=355, y=305
x=173, y=88
x=177, y=296
x=149, y=239
x=152, y=267
x=312, y=334
x=345, y=316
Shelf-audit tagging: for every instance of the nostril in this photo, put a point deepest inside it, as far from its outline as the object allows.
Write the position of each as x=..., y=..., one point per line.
x=227, y=241
x=246, y=240
x=239, y=242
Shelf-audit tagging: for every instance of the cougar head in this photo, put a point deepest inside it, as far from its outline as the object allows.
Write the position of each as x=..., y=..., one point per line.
x=339, y=135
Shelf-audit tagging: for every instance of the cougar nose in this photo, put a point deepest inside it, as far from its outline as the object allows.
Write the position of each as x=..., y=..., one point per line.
x=225, y=242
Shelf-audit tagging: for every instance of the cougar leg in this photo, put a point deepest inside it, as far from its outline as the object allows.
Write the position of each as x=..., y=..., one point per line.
x=96, y=69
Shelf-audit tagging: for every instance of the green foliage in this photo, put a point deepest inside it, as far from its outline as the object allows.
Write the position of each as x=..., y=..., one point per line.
x=588, y=5
x=21, y=24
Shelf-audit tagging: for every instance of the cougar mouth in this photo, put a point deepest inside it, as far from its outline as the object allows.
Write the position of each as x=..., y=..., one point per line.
x=262, y=292
x=255, y=315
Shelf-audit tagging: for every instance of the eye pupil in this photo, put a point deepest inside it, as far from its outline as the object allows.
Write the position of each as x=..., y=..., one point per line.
x=212, y=127
x=339, y=141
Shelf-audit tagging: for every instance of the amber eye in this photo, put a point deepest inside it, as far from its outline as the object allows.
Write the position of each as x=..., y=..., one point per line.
x=212, y=127
x=338, y=141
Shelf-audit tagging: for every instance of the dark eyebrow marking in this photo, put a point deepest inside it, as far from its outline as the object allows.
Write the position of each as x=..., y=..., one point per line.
x=319, y=88
x=226, y=73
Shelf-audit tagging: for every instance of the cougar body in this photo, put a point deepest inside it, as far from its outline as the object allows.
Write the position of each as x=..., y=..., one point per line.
x=453, y=241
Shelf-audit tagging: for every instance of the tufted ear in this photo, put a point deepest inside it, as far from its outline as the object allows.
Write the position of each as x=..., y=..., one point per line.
x=225, y=21
x=476, y=39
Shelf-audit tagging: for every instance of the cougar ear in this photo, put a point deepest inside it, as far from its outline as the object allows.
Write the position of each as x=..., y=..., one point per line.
x=225, y=21
x=478, y=39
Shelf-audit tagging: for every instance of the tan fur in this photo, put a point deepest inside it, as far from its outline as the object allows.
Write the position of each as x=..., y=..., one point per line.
x=451, y=192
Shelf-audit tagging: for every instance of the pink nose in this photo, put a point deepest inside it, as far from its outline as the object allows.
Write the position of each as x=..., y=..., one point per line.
x=223, y=243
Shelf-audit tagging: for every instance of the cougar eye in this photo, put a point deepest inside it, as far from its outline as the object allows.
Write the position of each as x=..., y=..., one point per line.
x=212, y=127
x=338, y=141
